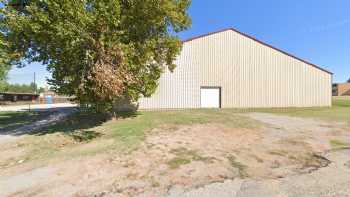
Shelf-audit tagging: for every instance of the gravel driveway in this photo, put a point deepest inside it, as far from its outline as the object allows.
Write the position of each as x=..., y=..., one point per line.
x=333, y=180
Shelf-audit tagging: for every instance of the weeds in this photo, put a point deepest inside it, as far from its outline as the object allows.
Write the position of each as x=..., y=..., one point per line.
x=239, y=166
x=184, y=156
x=339, y=145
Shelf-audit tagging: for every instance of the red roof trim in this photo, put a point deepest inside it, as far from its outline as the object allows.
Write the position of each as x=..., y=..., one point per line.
x=263, y=43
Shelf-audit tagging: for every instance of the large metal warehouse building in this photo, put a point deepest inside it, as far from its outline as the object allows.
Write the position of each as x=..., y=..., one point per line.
x=229, y=69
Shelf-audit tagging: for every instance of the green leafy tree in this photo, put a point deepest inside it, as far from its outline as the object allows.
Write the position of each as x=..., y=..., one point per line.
x=100, y=51
x=3, y=85
x=348, y=80
x=4, y=59
x=41, y=90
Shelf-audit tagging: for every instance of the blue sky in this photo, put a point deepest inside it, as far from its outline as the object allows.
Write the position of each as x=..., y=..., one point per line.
x=314, y=30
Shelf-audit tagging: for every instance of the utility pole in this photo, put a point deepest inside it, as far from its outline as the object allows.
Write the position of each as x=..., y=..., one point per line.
x=35, y=88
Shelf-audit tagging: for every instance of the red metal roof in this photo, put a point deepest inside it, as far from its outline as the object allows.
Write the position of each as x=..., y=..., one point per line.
x=261, y=42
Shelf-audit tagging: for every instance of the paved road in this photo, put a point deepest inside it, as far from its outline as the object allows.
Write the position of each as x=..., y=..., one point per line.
x=331, y=181
x=40, y=107
x=55, y=112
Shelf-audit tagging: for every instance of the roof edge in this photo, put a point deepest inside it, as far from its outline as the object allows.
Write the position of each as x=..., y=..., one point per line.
x=261, y=42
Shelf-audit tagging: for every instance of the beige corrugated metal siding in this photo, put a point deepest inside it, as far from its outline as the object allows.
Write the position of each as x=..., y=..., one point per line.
x=179, y=89
x=249, y=73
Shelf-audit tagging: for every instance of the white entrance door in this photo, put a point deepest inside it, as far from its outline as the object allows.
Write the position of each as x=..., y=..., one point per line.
x=210, y=97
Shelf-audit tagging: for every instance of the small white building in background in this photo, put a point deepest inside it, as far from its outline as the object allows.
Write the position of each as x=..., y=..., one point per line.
x=229, y=69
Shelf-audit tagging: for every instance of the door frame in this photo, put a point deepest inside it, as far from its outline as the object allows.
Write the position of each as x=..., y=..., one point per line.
x=211, y=87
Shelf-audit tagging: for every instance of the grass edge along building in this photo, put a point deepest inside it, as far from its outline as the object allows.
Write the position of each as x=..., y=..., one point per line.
x=229, y=69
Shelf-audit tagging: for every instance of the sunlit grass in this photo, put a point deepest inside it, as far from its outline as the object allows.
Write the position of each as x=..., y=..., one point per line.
x=89, y=134
x=340, y=111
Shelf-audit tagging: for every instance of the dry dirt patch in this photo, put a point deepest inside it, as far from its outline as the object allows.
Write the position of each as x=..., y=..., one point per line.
x=181, y=156
x=186, y=156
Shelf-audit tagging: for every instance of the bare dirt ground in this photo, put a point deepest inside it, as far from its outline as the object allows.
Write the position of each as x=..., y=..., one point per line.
x=277, y=159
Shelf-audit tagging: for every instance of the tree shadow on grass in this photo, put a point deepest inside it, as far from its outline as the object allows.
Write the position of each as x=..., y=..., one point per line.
x=81, y=125
x=12, y=120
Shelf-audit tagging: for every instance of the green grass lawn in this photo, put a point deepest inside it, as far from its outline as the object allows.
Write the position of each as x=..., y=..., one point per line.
x=87, y=134
x=340, y=111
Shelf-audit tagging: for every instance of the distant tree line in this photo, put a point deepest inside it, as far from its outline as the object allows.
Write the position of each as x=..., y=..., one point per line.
x=20, y=88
